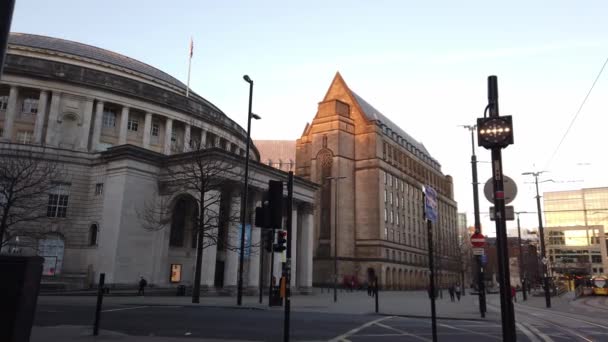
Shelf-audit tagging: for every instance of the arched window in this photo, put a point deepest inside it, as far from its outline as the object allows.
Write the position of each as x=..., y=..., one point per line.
x=93, y=230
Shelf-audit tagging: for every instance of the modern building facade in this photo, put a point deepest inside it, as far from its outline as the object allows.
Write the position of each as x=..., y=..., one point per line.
x=575, y=237
x=368, y=212
x=117, y=127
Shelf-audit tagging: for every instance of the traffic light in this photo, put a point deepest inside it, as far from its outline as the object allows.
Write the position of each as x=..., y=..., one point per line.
x=281, y=241
x=268, y=239
x=495, y=131
x=275, y=204
x=262, y=216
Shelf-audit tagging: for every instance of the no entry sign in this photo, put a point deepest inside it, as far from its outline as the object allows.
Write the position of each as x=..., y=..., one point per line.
x=478, y=240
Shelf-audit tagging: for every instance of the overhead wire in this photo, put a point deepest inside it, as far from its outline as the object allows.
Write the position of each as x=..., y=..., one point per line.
x=580, y=108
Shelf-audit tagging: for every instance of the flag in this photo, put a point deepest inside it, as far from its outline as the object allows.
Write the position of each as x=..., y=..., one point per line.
x=191, y=47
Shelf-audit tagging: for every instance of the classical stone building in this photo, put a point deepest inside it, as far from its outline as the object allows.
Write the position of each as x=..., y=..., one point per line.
x=280, y=154
x=380, y=225
x=116, y=126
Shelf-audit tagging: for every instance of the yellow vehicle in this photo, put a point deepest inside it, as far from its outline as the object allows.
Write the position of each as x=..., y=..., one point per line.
x=600, y=285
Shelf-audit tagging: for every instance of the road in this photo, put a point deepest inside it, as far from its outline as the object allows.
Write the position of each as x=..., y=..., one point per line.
x=256, y=324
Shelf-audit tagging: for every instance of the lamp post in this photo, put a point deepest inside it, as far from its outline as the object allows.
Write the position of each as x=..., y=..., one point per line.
x=480, y=275
x=337, y=178
x=239, y=296
x=522, y=276
x=542, y=238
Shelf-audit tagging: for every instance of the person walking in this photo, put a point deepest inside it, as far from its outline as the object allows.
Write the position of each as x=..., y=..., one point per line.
x=142, y=285
x=458, y=291
x=451, y=291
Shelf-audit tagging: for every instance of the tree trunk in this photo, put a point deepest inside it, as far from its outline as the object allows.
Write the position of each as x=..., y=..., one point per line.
x=196, y=289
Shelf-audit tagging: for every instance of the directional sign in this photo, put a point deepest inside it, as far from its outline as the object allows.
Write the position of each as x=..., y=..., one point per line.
x=478, y=240
x=509, y=213
x=509, y=193
x=430, y=204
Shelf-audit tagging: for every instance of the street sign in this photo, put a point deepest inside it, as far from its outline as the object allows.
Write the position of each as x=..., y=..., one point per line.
x=509, y=193
x=430, y=204
x=478, y=240
x=484, y=259
x=478, y=251
x=509, y=213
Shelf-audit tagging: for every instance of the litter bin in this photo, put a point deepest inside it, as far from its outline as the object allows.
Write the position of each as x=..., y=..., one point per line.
x=181, y=290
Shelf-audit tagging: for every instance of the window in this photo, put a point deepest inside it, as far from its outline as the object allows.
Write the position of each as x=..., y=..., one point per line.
x=3, y=102
x=30, y=106
x=385, y=215
x=385, y=177
x=24, y=137
x=391, y=198
x=385, y=195
x=58, y=202
x=132, y=125
x=392, y=217
x=397, y=220
x=109, y=118
x=98, y=189
x=93, y=235
x=155, y=129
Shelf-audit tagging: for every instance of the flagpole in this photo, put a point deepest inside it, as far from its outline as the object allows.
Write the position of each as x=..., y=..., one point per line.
x=189, y=65
x=188, y=85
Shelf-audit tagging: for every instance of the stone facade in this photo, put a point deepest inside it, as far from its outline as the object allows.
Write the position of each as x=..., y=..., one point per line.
x=375, y=172
x=114, y=125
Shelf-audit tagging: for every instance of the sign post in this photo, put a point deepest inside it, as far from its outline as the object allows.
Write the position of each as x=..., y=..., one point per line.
x=430, y=213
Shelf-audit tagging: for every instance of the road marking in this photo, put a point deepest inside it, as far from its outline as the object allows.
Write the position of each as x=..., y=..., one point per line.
x=527, y=332
x=557, y=314
x=540, y=334
x=343, y=337
x=122, y=309
x=403, y=333
x=470, y=331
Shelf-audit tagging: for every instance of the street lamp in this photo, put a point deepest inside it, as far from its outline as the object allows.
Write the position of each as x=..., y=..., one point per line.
x=250, y=115
x=480, y=276
x=541, y=237
x=522, y=276
x=337, y=178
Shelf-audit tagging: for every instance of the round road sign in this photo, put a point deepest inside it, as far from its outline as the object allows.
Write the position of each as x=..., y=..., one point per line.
x=478, y=240
x=509, y=193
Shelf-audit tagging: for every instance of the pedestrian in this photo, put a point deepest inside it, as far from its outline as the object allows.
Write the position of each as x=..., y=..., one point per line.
x=458, y=291
x=142, y=285
x=369, y=288
x=451, y=291
x=513, y=294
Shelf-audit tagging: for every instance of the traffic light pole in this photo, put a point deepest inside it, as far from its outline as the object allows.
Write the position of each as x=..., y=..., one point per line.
x=542, y=246
x=432, y=279
x=271, y=275
x=522, y=276
x=261, y=280
x=508, y=317
x=287, y=264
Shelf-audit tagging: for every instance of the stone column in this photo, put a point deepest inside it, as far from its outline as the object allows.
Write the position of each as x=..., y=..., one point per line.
x=210, y=253
x=217, y=141
x=231, y=264
x=124, y=119
x=51, y=131
x=11, y=113
x=40, y=116
x=187, y=138
x=228, y=146
x=253, y=273
x=147, y=130
x=86, y=124
x=203, y=138
x=97, y=126
x=293, y=240
x=306, y=249
x=168, y=131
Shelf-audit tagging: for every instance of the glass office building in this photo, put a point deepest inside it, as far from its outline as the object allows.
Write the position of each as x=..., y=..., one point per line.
x=575, y=237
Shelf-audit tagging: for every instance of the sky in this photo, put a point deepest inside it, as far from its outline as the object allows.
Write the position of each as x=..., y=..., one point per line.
x=422, y=64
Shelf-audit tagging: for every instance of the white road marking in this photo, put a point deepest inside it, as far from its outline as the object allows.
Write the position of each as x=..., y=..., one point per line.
x=540, y=334
x=527, y=332
x=122, y=309
x=403, y=333
x=470, y=331
x=343, y=337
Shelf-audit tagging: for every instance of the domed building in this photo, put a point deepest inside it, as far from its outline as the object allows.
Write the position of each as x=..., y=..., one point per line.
x=117, y=128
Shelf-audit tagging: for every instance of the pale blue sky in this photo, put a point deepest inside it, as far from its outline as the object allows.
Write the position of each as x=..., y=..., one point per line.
x=423, y=64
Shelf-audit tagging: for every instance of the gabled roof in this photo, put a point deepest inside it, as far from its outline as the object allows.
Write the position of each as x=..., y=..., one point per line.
x=374, y=115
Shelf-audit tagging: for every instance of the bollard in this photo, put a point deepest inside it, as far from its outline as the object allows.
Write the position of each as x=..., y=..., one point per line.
x=100, y=290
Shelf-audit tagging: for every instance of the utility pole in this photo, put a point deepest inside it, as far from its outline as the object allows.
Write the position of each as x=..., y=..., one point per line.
x=522, y=272
x=541, y=232
x=480, y=275
x=287, y=265
x=337, y=178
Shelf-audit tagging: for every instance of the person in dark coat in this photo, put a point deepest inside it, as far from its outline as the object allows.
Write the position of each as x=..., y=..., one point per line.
x=142, y=285
x=457, y=289
x=451, y=291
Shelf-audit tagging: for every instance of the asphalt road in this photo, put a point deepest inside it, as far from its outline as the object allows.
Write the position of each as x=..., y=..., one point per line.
x=533, y=324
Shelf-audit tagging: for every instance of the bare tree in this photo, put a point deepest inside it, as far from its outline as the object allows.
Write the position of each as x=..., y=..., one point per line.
x=204, y=174
x=26, y=179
